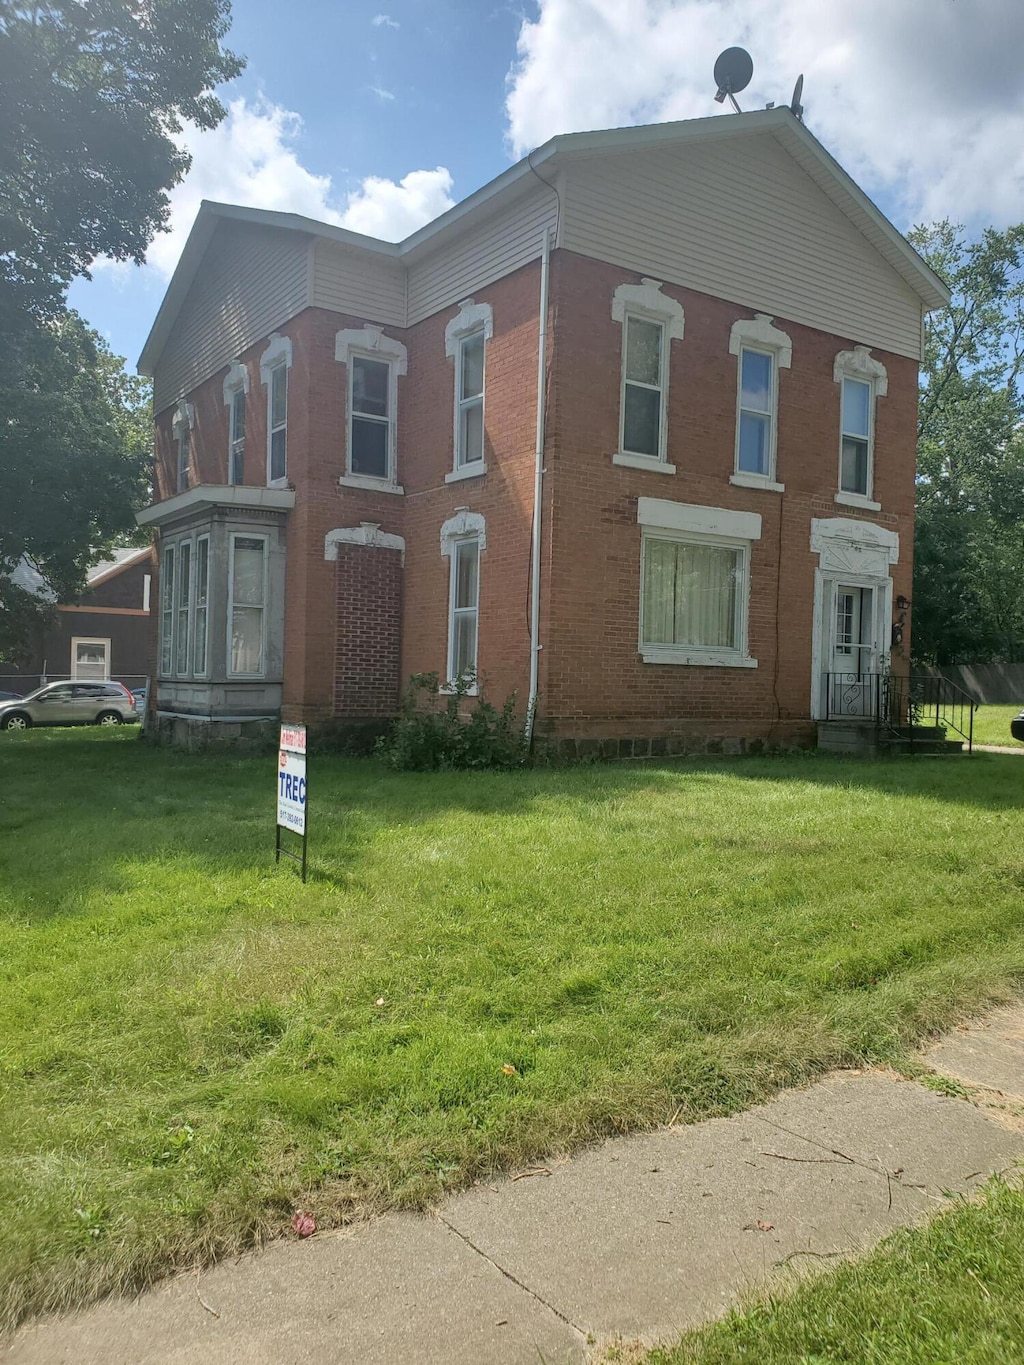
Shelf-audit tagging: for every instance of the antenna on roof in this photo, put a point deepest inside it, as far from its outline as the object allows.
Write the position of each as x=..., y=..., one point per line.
x=795, y=107
x=733, y=71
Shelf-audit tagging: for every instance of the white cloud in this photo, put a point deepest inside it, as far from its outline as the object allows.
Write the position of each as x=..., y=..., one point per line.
x=381, y=93
x=384, y=21
x=251, y=159
x=382, y=208
x=920, y=100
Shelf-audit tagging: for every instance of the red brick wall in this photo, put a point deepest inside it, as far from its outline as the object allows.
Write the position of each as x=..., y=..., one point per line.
x=368, y=583
x=597, y=683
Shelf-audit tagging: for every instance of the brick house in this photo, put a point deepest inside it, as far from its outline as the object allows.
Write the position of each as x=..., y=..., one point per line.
x=701, y=511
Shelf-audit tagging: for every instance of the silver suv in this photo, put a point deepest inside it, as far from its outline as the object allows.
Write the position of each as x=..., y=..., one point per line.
x=70, y=703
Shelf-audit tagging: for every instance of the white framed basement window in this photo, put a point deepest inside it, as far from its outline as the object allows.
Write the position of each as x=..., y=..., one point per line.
x=761, y=350
x=275, y=362
x=465, y=341
x=650, y=322
x=862, y=380
x=373, y=364
x=695, y=584
x=247, y=606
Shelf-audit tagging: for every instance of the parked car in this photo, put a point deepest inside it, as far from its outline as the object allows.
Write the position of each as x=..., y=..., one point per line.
x=70, y=703
x=1017, y=727
x=139, y=693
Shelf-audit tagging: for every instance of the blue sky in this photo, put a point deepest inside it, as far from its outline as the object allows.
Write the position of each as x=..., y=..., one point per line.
x=379, y=115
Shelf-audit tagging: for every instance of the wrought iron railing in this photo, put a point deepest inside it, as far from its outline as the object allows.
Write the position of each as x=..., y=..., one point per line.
x=904, y=706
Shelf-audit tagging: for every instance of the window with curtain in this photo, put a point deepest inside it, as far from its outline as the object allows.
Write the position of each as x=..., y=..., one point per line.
x=248, y=605
x=693, y=595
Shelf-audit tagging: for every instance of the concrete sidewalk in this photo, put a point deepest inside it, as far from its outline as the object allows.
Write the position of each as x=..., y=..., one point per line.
x=640, y=1238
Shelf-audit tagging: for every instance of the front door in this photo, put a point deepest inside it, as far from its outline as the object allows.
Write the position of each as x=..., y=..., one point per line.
x=851, y=668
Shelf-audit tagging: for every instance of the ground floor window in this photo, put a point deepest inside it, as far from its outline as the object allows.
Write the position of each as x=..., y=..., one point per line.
x=464, y=610
x=694, y=598
x=90, y=659
x=247, y=599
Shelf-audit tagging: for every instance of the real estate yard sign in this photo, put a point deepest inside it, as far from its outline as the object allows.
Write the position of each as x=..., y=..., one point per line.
x=292, y=791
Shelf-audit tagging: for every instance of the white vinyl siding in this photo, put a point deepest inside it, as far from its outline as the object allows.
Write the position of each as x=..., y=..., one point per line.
x=247, y=603
x=440, y=276
x=354, y=282
x=252, y=279
x=806, y=262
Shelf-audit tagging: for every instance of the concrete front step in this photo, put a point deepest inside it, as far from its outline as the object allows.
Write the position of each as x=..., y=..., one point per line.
x=864, y=739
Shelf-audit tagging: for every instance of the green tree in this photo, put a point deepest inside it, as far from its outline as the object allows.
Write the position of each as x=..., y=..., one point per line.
x=74, y=457
x=94, y=98
x=969, y=546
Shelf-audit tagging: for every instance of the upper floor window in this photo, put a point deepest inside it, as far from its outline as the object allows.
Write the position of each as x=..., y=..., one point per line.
x=861, y=380
x=650, y=321
x=465, y=340
x=761, y=350
x=374, y=363
x=236, y=386
x=275, y=363
x=181, y=425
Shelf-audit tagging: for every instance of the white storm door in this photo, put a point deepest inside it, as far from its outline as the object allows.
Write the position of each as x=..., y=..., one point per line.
x=851, y=666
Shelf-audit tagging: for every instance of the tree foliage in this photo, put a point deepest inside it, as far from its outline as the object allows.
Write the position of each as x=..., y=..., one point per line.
x=969, y=545
x=94, y=95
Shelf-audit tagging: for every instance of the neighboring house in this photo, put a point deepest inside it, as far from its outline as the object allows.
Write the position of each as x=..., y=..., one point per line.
x=107, y=633
x=347, y=434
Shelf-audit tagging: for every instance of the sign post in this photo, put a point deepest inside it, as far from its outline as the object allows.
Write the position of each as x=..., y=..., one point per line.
x=292, y=791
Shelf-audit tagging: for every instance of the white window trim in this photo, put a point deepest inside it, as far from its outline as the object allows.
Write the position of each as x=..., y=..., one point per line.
x=147, y=589
x=464, y=525
x=237, y=378
x=247, y=535
x=277, y=354
x=371, y=342
x=861, y=365
x=698, y=525
x=367, y=533
x=194, y=608
x=759, y=334
x=471, y=319
x=646, y=302
x=182, y=422
x=77, y=640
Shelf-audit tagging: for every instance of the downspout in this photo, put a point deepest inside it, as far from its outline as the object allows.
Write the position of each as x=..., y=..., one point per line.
x=538, y=487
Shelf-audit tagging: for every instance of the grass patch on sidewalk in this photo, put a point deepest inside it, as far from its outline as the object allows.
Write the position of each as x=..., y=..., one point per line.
x=483, y=968
x=953, y=1291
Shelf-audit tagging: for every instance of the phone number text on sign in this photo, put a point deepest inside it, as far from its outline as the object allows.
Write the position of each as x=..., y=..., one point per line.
x=291, y=791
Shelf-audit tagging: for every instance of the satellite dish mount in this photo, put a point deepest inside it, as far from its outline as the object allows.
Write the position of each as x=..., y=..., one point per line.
x=733, y=71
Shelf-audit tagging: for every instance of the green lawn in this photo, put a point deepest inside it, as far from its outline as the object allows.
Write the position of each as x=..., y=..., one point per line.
x=482, y=968
x=992, y=725
x=953, y=1291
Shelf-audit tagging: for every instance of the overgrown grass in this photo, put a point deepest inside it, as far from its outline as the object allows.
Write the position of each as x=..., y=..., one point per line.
x=482, y=968
x=992, y=725
x=953, y=1291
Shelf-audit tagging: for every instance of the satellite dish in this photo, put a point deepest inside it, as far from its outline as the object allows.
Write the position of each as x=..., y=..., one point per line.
x=795, y=106
x=733, y=71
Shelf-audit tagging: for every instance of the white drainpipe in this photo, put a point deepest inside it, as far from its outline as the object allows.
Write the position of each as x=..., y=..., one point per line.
x=538, y=485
